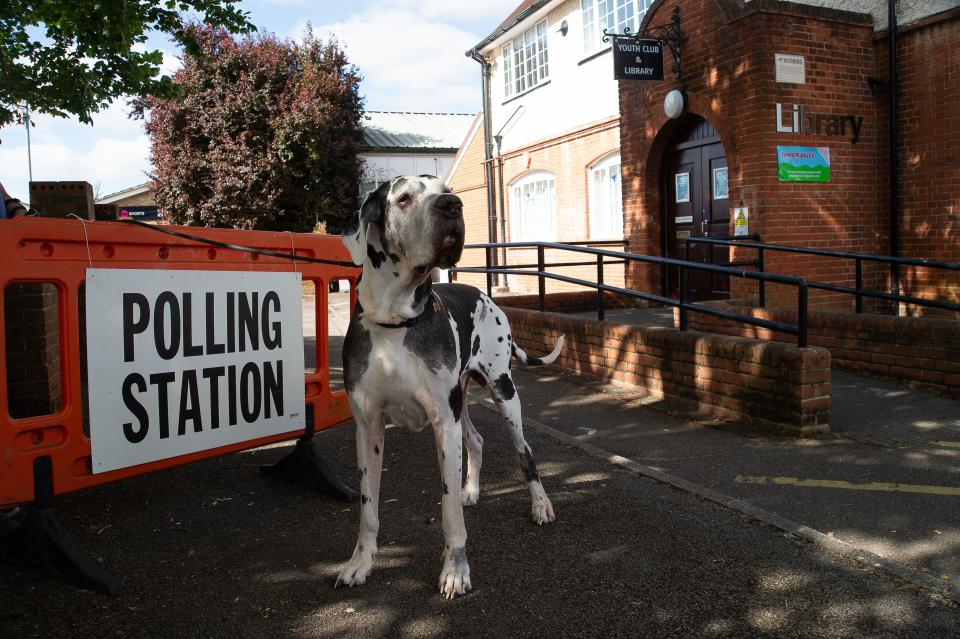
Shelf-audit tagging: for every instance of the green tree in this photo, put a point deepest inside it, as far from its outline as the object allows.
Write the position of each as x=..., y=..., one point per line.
x=264, y=135
x=73, y=57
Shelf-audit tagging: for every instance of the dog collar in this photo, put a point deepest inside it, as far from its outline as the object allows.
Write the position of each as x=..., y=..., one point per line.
x=407, y=323
x=404, y=324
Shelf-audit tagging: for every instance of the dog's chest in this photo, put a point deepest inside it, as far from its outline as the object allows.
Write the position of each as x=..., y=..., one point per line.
x=403, y=384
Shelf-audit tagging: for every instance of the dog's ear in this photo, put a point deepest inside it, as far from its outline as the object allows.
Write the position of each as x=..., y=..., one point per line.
x=354, y=234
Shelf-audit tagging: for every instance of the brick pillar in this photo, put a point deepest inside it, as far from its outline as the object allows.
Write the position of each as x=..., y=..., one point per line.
x=32, y=349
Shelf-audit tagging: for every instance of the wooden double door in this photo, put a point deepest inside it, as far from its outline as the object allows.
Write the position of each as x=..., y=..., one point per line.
x=696, y=200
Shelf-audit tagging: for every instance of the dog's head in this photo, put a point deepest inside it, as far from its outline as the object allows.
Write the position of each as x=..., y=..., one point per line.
x=408, y=223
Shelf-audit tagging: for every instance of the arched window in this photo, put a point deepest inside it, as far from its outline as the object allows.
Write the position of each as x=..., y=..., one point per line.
x=606, y=198
x=533, y=204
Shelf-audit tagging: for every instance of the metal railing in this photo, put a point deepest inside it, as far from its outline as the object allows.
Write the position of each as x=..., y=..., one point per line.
x=683, y=303
x=859, y=258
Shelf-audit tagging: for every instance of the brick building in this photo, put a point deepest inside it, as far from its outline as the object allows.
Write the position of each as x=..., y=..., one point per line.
x=769, y=86
x=553, y=145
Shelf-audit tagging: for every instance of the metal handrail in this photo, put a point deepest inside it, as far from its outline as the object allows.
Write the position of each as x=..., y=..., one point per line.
x=799, y=329
x=857, y=291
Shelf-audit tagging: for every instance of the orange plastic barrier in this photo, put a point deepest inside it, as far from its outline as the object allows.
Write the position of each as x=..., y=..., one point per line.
x=58, y=252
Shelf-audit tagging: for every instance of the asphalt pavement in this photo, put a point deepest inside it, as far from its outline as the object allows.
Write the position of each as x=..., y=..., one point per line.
x=668, y=525
x=215, y=549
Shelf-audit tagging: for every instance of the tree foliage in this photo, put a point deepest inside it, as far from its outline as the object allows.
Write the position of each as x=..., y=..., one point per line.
x=264, y=135
x=73, y=57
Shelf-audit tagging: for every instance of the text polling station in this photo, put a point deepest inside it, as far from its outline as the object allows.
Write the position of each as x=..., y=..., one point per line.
x=184, y=361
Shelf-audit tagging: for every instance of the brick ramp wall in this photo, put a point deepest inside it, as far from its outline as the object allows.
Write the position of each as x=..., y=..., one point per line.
x=762, y=384
x=915, y=349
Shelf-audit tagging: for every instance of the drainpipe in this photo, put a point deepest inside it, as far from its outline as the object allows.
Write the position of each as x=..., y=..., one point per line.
x=894, y=161
x=488, y=154
x=501, y=190
x=502, y=187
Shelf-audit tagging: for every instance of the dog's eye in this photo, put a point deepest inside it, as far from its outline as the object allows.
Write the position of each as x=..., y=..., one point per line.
x=403, y=200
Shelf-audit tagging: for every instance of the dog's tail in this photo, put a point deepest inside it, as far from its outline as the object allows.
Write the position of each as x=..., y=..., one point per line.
x=537, y=361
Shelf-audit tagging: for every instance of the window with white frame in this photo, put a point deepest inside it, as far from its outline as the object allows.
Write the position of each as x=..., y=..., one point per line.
x=606, y=199
x=612, y=15
x=525, y=60
x=533, y=204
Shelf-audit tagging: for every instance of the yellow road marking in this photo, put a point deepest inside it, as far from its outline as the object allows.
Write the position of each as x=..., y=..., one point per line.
x=947, y=444
x=846, y=485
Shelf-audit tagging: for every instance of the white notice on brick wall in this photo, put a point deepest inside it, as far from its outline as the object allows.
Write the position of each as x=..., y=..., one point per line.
x=790, y=68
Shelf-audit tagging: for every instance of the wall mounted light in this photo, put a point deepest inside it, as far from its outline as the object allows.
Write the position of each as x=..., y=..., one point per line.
x=674, y=104
x=564, y=27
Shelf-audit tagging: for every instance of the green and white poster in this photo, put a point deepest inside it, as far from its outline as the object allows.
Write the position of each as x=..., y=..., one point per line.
x=803, y=163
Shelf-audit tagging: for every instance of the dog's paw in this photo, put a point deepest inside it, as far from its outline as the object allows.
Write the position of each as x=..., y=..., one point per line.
x=355, y=571
x=542, y=511
x=455, y=576
x=470, y=495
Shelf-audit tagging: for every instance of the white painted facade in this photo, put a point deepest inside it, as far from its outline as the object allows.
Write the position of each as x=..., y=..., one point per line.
x=579, y=89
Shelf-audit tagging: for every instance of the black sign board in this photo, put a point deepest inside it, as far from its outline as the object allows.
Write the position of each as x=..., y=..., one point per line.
x=142, y=213
x=635, y=59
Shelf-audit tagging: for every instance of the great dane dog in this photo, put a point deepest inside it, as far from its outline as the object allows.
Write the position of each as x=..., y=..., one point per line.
x=410, y=352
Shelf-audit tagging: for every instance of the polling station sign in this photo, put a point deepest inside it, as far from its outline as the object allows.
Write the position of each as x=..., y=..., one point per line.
x=184, y=361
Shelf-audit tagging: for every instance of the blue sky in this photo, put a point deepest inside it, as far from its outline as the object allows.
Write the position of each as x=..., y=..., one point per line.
x=410, y=53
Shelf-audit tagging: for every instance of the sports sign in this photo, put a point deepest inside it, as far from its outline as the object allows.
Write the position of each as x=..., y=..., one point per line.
x=184, y=361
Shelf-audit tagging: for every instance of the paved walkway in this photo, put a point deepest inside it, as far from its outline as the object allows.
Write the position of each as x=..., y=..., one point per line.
x=887, y=480
x=216, y=549
x=668, y=526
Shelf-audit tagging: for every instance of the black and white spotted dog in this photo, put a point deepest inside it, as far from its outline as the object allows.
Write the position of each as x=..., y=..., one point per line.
x=410, y=352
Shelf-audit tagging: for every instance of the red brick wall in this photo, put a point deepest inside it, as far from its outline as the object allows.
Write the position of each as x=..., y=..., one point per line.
x=928, y=56
x=729, y=77
x=567, y=157
x=763, y=384
x=32, y=349
x=470, y=183
x=921, y=350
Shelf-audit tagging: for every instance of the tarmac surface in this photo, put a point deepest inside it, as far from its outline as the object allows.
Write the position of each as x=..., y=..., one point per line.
x=668, y=525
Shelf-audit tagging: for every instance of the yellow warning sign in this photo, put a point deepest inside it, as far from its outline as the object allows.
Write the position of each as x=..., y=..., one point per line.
x=741, y=221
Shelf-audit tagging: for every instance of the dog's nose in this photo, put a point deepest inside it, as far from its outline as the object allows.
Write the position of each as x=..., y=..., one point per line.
x=449, y=205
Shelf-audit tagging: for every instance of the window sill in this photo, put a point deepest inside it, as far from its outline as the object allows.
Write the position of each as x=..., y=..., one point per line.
x=520, y=95
x=594, y=55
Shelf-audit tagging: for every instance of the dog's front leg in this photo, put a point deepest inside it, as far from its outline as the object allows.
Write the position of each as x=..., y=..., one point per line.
x=455, y=575
x=370, y=462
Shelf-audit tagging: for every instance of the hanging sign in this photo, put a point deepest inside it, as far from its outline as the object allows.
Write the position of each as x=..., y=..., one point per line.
x=803, y=163
x=635, y=59
x=184, y=361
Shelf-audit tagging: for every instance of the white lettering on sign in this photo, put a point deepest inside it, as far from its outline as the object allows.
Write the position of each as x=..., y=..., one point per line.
x=185, y=361
x=637, y=48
